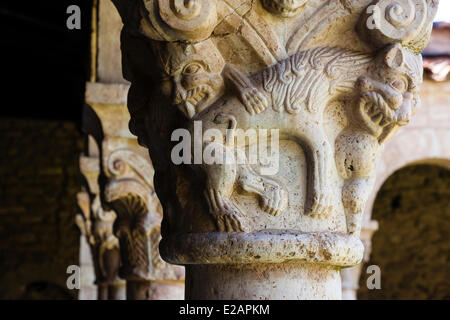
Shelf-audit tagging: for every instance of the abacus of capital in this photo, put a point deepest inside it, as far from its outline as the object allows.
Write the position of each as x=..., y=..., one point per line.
x=335, y=78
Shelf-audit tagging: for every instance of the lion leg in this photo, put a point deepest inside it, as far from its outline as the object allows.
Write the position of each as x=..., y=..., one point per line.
x=220, y=184
x=227, y=215
x=355, y=193
x=319, y=199
x=273, y=197
x=254, y=99
x=356, y=163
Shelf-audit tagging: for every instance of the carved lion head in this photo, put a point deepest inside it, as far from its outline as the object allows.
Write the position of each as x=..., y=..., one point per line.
x=193, y=77
x=389, y=95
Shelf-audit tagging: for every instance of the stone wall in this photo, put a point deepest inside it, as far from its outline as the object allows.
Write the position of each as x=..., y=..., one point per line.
x=39, y=180
x=412, y=245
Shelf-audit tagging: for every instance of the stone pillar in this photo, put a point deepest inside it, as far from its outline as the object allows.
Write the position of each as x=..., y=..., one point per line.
x=126, y=188
x=264, y=120
x=123, y=177
x=88, y=289
x=96, y=225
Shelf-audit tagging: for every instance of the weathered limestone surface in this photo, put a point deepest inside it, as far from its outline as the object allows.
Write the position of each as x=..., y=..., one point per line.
x=327, y=82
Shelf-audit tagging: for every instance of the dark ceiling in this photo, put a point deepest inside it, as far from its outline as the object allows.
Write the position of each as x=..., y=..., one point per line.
x=44, y=64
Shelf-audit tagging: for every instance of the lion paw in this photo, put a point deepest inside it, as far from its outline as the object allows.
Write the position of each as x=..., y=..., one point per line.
x=226, y=214
x=320, y=206
x=255, y=102
x=274, y=199
x=229, y=223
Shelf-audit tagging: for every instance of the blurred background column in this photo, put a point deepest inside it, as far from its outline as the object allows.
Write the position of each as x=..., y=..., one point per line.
x=125, y=175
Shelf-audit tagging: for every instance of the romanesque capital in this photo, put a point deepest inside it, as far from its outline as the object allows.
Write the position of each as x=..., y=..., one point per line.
x=264, y=120
x=129, y=191
x=126, y=188
x=96, y=224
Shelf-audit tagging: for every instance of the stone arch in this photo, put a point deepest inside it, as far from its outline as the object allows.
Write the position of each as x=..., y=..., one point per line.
x=411, y=147
x=412, y=208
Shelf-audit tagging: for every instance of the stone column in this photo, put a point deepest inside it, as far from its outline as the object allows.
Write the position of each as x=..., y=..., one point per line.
x=96, y=225
x=124, y=173
x=264, y=120
x=126, y=187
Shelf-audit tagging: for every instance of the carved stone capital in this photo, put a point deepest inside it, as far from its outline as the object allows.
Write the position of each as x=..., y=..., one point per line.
x=96, y=225
x=126, y=188
x=408, y=22
x=129, y=191
x=264, y=120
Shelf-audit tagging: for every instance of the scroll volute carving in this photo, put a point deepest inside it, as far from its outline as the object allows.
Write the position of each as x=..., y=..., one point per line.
x=173, y=20
x=408, y=22
x=278, y=68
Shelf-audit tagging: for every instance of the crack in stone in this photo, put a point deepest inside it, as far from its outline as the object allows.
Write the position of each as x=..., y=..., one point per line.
x=241, y=25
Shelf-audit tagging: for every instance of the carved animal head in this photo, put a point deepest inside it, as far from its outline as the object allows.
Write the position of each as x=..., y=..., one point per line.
x=284, y=8
x=389, y=95
x=193, y=75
